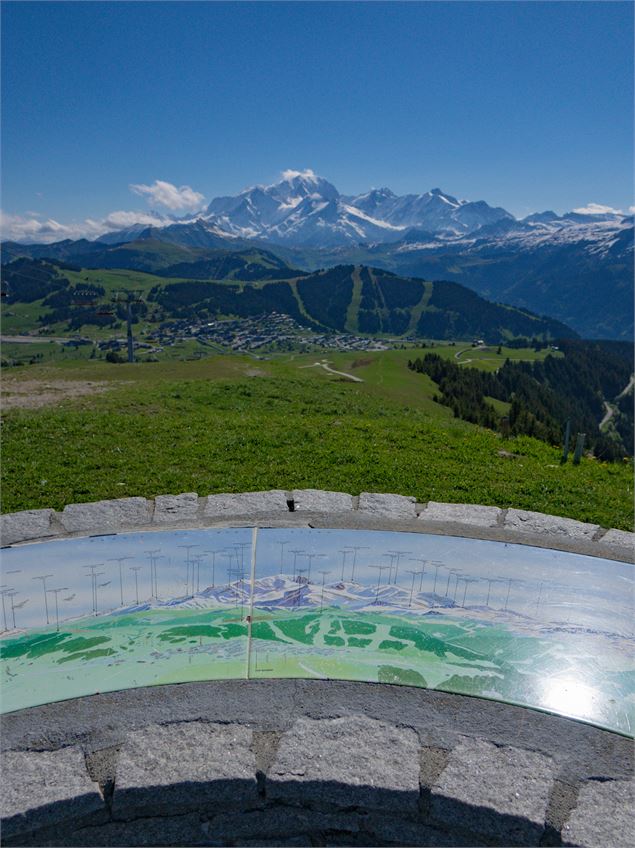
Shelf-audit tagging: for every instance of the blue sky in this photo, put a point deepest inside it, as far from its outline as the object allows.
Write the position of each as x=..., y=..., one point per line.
x=525, y=105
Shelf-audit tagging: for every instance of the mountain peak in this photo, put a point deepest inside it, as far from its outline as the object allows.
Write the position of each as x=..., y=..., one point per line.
x=296, y=185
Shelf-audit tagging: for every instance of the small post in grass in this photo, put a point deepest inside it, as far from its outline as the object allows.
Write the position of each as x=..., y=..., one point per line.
x=567, y=439
x=579, y=447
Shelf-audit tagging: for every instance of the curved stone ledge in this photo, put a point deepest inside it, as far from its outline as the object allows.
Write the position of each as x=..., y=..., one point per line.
x=306, y=763
x=317, y=508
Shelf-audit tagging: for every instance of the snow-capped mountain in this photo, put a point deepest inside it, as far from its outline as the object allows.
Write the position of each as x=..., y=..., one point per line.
x=301, y=209
x=576, y=268
x=595, y=234
x=433, y=211
x=306, y=210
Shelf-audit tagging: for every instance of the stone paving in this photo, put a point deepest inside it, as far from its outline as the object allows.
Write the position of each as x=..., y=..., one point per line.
x=392, y=775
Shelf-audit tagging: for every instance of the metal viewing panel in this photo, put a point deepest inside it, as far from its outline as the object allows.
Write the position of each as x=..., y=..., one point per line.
x=528, y=626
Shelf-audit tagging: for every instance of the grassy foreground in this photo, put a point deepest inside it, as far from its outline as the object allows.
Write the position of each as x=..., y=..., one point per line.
x=237, y=424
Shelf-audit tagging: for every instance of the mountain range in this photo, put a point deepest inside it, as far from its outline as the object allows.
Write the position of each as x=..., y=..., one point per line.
x=284, y=592
x=577, y=268
x=306, y=210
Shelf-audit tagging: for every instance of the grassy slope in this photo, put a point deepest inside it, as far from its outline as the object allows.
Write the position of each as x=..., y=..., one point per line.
x=211, y=427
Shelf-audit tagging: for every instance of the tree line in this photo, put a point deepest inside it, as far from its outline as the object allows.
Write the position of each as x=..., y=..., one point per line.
x=543, y=395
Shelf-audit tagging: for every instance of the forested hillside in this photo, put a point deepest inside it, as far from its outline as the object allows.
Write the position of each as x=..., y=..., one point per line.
x=542, y=396
x=348, y=298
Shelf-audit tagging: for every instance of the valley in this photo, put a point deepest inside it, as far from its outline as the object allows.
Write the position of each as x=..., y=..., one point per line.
x=354, y=302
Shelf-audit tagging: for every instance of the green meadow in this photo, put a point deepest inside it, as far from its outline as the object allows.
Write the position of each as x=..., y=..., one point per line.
x=240, y=423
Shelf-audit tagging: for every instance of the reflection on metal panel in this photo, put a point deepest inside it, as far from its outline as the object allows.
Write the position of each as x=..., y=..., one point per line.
x=529, y=626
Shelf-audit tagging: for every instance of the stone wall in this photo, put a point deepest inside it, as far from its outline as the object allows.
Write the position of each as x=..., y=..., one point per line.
x=317, y=508
x=310, y=763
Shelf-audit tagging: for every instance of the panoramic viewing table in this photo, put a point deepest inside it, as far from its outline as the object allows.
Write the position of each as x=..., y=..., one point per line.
x=536, y=613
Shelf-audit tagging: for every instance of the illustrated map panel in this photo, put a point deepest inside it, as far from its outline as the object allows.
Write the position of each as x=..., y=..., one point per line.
x=529, y=626
x=115, y=612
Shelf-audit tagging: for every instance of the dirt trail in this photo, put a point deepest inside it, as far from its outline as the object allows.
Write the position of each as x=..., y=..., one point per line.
x=460, y=353
x=610, y=408
x=33, y=339
x=324, y=364
x=627, y=387
x=609, y=413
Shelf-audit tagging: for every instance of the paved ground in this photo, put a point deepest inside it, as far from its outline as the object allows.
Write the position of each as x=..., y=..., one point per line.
x=309, y=762
x=101, y=720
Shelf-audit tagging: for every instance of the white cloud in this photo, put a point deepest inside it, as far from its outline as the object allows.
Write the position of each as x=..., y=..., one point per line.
x=121, y=219
x=165, y=194
x=307, y=174
x=597, y=209
x=33, y=228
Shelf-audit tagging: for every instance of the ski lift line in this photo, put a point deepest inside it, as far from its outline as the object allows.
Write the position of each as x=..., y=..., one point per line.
x=381, y=569
x=451, y=573
x=344, y=553
x=44, y=578
x=213, y=553
x=311, y=557
x=6, y=591
x=323, y=573
x=120, y=560
x=187, y=565
x=136, y=569
x=154, y=586
x=295, y=553
x=458, y=577
x=282, y=545
x=57, y=613
x=399, y=554
x=355, y=549
x=412, y=588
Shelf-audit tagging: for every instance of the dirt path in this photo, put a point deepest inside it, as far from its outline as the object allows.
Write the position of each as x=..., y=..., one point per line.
x=324, y=364
x=610, y=408
x=609, y=413
x=461, y=352
x=627, y=387
x=33, y=339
